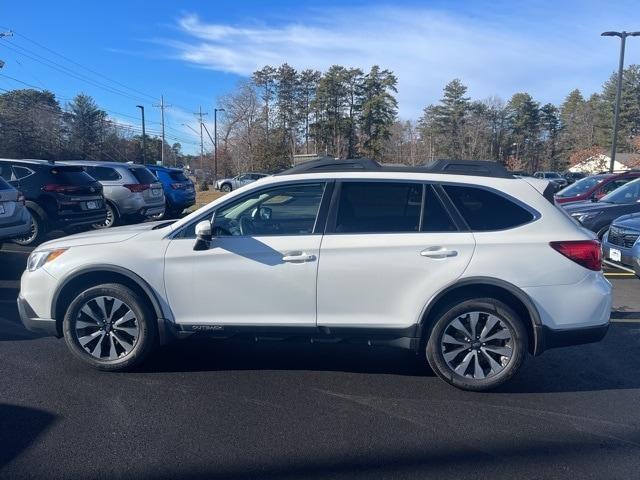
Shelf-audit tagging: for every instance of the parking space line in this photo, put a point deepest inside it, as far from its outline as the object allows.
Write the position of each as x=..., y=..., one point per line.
x=625, y=320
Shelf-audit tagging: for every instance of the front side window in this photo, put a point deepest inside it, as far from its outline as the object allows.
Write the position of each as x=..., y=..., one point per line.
x=614, y=185
x=283, y=210
x=379, y=207
x=629, y=193
x=484, y=210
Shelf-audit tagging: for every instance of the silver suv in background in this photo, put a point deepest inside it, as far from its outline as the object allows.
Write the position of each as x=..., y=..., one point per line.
x=230, y=184
x=15, y=219
x=131, y=191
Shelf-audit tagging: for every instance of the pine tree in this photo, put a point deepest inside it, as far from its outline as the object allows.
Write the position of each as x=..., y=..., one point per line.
x=449, y=118
x=85, y=124
x=379, y=109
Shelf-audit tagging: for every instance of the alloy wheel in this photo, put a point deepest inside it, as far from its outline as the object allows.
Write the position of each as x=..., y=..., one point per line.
x=29, y=237
x=477, y=345
x=106, y=328
x=109, y=220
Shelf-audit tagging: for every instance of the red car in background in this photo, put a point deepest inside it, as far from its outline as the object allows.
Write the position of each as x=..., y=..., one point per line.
x=595, y=187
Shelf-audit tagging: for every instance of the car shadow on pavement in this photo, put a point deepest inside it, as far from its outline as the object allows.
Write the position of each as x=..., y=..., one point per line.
x=206, y=354
x=19, y=428
x=608, y=365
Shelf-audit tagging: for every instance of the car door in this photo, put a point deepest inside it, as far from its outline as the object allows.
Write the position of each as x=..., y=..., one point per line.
x=261, y=266
x=389, y=247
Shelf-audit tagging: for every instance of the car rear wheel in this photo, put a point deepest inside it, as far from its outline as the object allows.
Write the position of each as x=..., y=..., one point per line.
x=37, y=231
x=225, y=188
x=111, y=220
x=110, y=327
x=477, y=344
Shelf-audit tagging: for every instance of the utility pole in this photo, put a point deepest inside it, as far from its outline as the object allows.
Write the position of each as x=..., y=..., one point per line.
x=215, y=142
x=3, y=35
x=623, y=40
x=200, y=114
x=162, y=106
x=144, y=135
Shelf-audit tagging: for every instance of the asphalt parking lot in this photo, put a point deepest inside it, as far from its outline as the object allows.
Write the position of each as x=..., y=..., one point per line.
x=202, y=409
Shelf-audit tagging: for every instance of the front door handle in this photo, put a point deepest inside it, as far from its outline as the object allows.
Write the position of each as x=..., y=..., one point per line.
x=298, y=257
x=438, y=252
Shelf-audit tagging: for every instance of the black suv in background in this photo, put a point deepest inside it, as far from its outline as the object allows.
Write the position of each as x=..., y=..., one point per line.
x=59, y=197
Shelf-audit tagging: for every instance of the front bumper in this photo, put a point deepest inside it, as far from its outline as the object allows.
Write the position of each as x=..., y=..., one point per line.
x=32, y=322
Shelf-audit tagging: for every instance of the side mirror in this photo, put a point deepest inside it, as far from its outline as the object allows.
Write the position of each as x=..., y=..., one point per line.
x=203, y=236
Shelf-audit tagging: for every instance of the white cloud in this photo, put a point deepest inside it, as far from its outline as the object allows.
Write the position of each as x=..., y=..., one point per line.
x=425, y=48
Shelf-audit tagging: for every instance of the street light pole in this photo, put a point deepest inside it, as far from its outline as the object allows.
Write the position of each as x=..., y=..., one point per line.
x=144, y=135
x=623, y=40
x=215, y=143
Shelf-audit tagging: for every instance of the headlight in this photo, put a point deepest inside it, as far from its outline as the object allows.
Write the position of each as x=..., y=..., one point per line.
x=39, y=257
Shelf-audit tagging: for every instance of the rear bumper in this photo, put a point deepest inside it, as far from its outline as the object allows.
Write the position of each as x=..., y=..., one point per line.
x=548, y=338
x=32, y=322
x=88, y=217
x=16, y=226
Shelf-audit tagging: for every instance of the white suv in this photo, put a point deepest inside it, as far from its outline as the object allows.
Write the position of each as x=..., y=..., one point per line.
x=457, y=260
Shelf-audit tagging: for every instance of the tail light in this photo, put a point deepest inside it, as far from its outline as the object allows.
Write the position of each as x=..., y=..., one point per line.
x=64, y=189
x=138, y=187
x=584, y=252
x=178, y=186
x=21, y=198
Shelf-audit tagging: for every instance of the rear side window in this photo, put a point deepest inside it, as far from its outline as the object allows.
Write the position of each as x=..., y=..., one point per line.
x=143, y=175
x=379, y=207
x=6, y=173
x=104, y=174
x=178, y=176
x=614, y=184
x=484, y=210
x=435, y=218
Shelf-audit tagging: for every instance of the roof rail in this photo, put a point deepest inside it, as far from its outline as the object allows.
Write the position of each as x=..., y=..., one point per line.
x=482, y=168
x=333, y=165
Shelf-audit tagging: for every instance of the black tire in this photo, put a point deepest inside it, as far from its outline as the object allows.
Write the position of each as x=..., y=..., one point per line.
x=145, y=323
x=36, y=234
x=509, y=321
x=226, y=188
x=112, y=220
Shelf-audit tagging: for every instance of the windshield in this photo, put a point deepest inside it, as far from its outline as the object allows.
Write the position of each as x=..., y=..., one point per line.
x=629, y=193
x=580, y=187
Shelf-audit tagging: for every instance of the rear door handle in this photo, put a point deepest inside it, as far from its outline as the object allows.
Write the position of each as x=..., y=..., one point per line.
x=438, y=252
x=298, y=257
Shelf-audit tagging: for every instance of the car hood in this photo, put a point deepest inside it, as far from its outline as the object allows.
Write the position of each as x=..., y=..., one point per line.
x=100, y=237
x=589, y=206
x=631, y=221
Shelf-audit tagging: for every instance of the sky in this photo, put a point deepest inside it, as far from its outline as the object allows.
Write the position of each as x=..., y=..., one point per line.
x=128, y=53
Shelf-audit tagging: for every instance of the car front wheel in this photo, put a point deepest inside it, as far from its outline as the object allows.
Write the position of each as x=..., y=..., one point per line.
x=477, y=344
x=110, y=327
x=225, y=188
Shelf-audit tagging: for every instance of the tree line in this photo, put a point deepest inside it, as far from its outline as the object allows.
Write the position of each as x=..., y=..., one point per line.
x=280, y=112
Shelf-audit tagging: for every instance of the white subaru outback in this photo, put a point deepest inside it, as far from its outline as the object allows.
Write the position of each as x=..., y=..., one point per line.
x=459, y=261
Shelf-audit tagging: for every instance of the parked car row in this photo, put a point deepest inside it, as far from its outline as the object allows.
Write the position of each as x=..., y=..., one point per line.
x=609, y=205
x=79, y=195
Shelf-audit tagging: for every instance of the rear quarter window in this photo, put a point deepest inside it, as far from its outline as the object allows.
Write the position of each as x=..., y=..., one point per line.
x=4, y=185
x=484, y=210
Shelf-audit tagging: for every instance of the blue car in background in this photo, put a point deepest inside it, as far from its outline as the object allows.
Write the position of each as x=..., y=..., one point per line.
x=179, y=191
x=621, y=244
